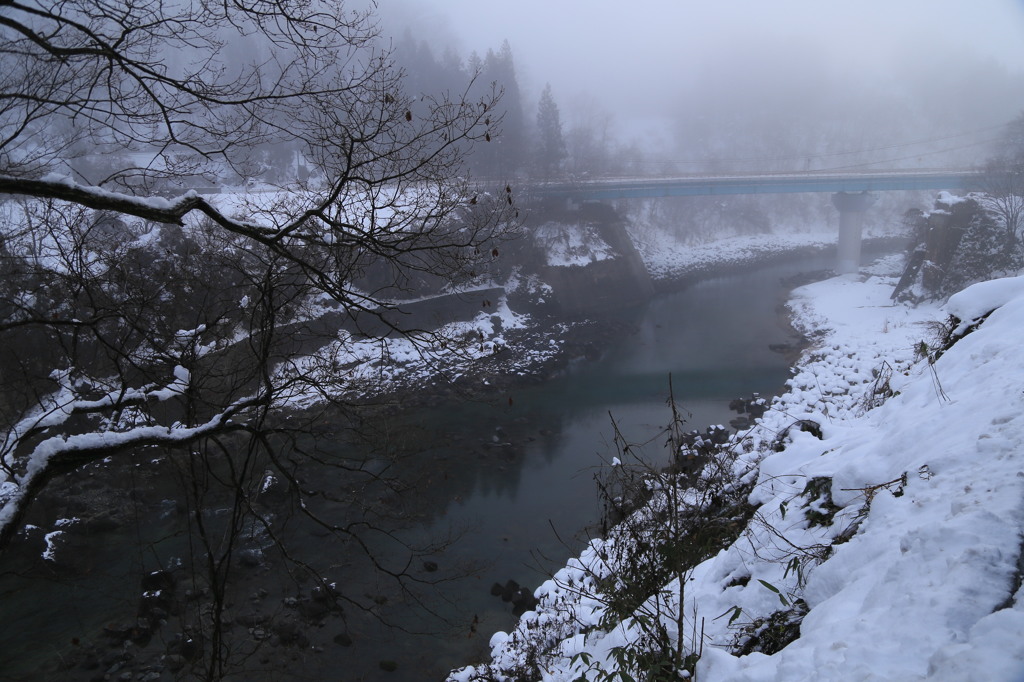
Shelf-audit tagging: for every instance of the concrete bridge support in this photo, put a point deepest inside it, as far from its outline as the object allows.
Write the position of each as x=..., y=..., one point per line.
x=851, y=218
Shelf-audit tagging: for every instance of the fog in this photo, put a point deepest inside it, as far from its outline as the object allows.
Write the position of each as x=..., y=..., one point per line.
x=789, y=84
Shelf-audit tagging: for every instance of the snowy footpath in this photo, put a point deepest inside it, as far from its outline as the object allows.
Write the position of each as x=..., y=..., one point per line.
x=891, y=525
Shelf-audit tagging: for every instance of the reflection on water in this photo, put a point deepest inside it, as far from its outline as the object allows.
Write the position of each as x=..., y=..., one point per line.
x=510, y=483
x=526, y=508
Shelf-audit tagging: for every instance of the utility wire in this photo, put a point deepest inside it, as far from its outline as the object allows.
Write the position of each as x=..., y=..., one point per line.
x=912, y=156
x=810, y=157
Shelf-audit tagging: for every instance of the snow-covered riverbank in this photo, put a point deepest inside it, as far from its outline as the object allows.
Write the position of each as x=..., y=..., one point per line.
x=890, y=524
x=500, y=346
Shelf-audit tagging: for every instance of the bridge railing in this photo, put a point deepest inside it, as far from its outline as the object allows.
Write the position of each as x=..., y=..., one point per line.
x=776, y=182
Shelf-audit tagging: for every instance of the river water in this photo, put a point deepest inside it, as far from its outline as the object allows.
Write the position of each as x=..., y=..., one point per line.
x=510, y=481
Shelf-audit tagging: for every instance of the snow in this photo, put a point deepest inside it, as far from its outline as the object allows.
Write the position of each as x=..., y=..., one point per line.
x=984, y=297
x=372, y=365
x=568, y=245
x=928, y=478
x=153, y=202
x=51, y=538
x=15, y=490
x=50, y=553
x=667, y=258
x=950, y=199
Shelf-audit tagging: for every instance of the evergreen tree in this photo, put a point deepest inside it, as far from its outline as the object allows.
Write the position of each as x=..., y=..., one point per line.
x=474, y=65
x=503, y=157
x=550, y=147
x=513, y=125
x=588, y=138
x=1012, y=142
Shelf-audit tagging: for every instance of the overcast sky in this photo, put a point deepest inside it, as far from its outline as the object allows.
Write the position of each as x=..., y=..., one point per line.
x=591, y=45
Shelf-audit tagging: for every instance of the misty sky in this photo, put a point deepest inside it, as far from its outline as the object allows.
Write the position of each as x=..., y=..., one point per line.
x=637, y=56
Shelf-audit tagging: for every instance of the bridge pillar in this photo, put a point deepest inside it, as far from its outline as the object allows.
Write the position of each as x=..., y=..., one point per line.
x=851, y=218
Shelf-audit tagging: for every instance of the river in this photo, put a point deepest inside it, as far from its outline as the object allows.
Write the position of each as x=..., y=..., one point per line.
x=508, y=481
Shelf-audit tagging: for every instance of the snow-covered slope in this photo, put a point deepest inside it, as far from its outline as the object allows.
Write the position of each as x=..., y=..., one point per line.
x=910, y=572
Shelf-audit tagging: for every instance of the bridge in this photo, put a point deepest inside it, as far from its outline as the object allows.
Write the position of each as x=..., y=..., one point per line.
x=850, y=192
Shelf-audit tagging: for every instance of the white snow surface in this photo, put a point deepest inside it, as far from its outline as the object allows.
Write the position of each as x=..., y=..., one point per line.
x=928, y=586
x=567, y=245
x=982, y=298
x=372, y=366
x=666, y=258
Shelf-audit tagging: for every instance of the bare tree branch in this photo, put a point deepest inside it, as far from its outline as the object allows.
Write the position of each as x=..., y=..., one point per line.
x=197, y=198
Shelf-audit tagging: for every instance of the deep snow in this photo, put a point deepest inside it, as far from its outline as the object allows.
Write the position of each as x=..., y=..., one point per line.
x=922, y=575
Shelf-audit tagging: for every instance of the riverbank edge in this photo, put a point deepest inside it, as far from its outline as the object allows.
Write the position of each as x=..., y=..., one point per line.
x=527, y=359
x=534, y=633
x=680, y=278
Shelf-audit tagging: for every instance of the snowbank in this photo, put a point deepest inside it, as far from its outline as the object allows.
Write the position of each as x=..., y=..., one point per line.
x=568, y=245
x=979, y=300
x=669, y=259
x=896, y=528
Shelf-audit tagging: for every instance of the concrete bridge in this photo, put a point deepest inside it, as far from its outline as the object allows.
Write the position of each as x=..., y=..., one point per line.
x=851, y=192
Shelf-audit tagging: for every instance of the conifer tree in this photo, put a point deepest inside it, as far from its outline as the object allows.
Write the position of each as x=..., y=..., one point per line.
x=550, y=142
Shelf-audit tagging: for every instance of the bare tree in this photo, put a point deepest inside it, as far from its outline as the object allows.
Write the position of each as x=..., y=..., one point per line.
x=139, y=316
x=1003, y=187
x=1002, y=183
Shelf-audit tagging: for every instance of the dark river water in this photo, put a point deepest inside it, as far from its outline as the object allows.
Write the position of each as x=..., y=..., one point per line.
x=511, y=482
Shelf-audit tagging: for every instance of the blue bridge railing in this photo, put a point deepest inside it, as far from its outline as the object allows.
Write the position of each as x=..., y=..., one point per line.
x=767, y=183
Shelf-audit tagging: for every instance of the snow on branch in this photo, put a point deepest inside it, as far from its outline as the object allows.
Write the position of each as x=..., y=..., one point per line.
x=156, y=209
x=62, y=406
x=59, y=453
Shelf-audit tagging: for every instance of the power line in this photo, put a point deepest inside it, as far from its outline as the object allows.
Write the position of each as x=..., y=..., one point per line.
x=912, y=156
x=810, y=157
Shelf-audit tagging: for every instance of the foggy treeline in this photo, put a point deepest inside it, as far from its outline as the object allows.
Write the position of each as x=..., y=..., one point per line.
x=769, y=107
x=775, y=108
x=750, y=106
x=533, y=141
